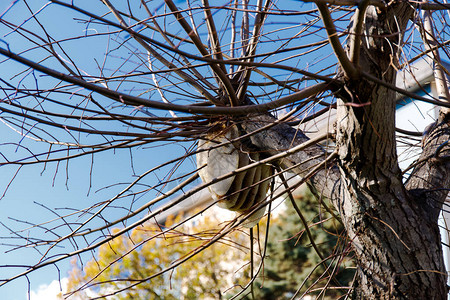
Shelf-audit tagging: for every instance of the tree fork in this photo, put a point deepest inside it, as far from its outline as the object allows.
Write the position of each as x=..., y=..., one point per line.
x=393, y=227
x=394, y=261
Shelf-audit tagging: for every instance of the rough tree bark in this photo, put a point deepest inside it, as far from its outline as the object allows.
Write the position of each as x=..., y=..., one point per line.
x=392, y=226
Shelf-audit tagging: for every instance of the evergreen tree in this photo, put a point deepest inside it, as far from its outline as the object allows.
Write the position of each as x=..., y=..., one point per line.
x=291, y=259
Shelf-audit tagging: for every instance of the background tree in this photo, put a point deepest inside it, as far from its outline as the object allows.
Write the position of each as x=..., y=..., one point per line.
x=84, y=80
x=213, y=273
x=291, y=259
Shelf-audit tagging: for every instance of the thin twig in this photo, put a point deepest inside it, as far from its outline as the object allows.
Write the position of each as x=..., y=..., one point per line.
x=357, y=31
x=219, y=71
x=440, y=78
x=335, y=43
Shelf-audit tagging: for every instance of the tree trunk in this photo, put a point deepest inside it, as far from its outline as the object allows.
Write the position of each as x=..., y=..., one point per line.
x=392, y=226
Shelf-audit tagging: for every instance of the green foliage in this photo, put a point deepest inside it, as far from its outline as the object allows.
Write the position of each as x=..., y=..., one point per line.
x=291, y=259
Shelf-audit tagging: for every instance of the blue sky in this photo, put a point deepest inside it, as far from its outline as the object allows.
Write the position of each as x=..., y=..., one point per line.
x=48, y=187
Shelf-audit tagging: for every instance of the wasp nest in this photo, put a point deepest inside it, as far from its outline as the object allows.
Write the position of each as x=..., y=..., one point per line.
x=240, y=192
